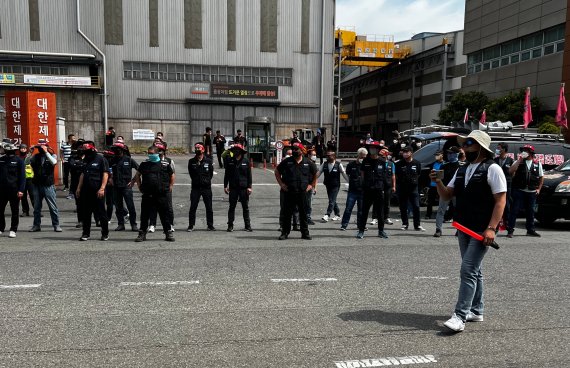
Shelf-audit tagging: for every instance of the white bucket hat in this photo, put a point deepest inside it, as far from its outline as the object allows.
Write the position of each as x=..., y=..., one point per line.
x=480, y=137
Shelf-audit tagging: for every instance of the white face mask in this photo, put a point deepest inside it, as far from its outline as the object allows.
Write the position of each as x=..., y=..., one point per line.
x=403, y=145
x=497, y=152
x=419, y=144
x=314, y=158
x=389, y=157
x=524, y=155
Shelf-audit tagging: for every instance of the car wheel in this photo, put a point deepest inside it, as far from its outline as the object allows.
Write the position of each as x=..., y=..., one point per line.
x=544, y=219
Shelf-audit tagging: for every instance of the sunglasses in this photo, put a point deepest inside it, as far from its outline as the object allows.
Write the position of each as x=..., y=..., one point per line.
x=469, y=142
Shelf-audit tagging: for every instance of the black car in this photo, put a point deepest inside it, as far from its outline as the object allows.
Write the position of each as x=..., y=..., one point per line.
x=554, y=199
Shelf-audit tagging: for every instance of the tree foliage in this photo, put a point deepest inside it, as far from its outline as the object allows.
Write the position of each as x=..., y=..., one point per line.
x=506, y=108
x=475, y=101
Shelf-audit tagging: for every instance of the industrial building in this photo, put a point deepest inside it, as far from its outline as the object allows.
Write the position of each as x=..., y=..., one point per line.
x=513, y=44
x=406, y=93
x=175, y=66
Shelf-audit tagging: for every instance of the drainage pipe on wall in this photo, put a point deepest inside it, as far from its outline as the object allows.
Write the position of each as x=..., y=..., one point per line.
x=105, y=120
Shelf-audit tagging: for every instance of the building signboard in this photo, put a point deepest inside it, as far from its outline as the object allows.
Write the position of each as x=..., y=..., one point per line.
x=57, y=80
x=244, y=91
x=7, y=79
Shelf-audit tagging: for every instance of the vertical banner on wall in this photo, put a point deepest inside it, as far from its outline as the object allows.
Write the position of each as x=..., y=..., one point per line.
x=31, y=116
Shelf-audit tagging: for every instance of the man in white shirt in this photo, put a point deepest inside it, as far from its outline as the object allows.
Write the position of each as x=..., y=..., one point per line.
x=480, y=189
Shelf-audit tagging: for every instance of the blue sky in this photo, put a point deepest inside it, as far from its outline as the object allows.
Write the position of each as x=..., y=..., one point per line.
x=401, y=18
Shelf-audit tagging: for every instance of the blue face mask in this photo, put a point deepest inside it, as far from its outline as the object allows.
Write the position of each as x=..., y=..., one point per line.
x=452, y=157
x=153, y=157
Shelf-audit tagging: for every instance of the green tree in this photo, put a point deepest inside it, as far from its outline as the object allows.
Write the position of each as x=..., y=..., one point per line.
x=548, y=128
x=511, y=107
x=475, y=101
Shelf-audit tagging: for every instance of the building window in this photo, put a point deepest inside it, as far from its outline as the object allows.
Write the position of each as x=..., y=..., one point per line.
x=533, y=46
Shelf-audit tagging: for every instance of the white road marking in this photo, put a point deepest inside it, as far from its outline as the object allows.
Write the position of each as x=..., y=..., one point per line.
x=430, y=278
x=388, y=361
x=24, y=286
x=158, y=283
x=305, y=280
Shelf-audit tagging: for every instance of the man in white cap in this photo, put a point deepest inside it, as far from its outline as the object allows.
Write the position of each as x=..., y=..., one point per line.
x=480, y=189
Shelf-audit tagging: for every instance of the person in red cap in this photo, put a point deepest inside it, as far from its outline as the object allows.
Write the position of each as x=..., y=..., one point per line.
x=238, y=185
x=122, y=172
x=43, y=163
x=201, y=171
x=296, y=176
x=528, y=177
x=91, y=191
x=153, y=212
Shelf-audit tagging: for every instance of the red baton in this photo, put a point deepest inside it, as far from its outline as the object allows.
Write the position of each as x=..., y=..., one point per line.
x=472, y=233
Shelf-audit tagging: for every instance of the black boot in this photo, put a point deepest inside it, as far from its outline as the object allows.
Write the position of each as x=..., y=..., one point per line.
x=141, y=237
x=169, y=236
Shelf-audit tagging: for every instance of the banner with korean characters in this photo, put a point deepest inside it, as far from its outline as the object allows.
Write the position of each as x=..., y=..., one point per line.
x=31, y=116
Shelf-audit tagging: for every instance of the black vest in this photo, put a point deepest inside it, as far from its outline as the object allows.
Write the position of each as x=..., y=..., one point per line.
x=526, y=179
x=408, y=174
x=475, y=202
x=155, y=177
x=43, y=173
x=122, y=172
x=93, y=172
x=297, y=177
x=374, y=173
x=10, y=169
x=238, y=173
x=200, y=173
x=506, y=166
x=332, y=178
x=354, y=179
x=388, y=172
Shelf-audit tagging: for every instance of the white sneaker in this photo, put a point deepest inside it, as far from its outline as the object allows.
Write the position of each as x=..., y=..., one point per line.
x=374, y=222
x=151, y=229
x=172, y=228
x=420, y=228
x=336, y=218
x=12, y=234
x=389, y=222
x=404, y=227
x=472, y=317
x=455, y=323
x=326, y=218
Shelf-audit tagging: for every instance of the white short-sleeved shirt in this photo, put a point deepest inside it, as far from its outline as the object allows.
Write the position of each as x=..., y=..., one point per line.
x=540, y=170
x=495, y=178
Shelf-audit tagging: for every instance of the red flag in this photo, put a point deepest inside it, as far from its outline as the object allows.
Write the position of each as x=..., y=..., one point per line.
x=466, y=117
x=527, y=115
x=484, y=118
x=562, y=110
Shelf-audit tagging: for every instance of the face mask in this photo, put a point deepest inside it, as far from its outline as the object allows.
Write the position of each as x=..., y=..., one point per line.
x=498, y=152
x=395, y=141
x=198, y=152
x=153, y=157
x=373, y=152
x=296, y=153
x=314, y=158
x=419, y=144
x=402, y=145
x=524, y=155
x=388, y=157
x=453, y=157
x=471, y=156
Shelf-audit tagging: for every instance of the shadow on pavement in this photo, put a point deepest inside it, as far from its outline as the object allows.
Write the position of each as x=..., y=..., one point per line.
x=417, y=321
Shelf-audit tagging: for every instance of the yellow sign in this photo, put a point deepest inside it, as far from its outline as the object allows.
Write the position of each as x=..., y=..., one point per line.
x=7, y=79
x=343, y=116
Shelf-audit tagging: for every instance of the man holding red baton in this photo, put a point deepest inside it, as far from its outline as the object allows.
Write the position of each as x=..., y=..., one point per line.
x=480, y=189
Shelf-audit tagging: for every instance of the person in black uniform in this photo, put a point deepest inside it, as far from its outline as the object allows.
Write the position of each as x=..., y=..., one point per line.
x=240, y=139
x=238, y=184
x=354, y=195
x=201, y=171
x=123, y=166
x=91, y=191
x=505, y=162
x=296, y=176
x=28, y=192
x=12, y=187
x=153, y=213
x=319, y=145
x=389, y=183
x=219, y=142
x=373, y=172
x=76, y=166
x=295, y=138
x=154, y=179
x=408, y=172
x=207, y=140
x=109, y=155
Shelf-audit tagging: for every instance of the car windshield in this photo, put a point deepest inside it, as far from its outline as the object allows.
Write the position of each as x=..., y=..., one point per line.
x=564, y=167
x=425, y=154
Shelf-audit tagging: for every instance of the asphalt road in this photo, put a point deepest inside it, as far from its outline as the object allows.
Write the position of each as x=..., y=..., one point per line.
x=218, y=299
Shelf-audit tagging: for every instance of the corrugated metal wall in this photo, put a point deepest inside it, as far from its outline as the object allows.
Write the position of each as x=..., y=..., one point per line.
x=58, y=34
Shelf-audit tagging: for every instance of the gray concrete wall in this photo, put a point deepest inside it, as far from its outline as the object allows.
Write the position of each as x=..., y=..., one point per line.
x=489, y=22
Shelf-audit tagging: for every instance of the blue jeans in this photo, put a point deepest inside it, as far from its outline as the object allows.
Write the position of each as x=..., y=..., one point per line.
x=441, y=209
x=470, y=297
x=48, y=193
x=522, y=200
x=352, y=198
x=332, y=193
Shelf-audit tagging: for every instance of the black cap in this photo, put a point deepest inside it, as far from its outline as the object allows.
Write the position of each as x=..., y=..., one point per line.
x=407, y=149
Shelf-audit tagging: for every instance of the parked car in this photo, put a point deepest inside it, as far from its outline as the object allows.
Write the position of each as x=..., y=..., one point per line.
x=554, y=199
